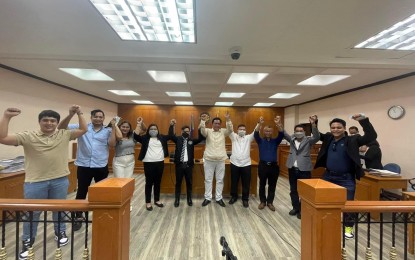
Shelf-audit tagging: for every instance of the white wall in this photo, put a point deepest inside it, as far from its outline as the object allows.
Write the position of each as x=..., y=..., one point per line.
x=395, y=136
x=32, y=96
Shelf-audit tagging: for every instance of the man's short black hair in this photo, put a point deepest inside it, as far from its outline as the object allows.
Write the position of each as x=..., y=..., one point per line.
x=216, y=118
x=338, y=120
x=185, y=126
x=93, y=112
x=49, y=113
x=355, y=128
x=241, y=125
x=299, y=125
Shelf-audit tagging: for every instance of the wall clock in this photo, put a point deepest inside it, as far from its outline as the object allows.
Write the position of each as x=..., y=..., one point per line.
x=396, y=112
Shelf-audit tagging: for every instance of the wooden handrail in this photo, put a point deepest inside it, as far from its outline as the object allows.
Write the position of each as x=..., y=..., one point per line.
x=42, y=205
x=379, y=206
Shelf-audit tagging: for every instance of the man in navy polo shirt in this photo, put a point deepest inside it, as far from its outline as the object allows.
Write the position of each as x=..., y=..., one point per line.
x=268, y=168
x=339, y=154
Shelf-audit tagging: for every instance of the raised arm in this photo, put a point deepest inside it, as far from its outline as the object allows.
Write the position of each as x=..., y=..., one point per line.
x=172, y=129
x=116, y=134
x=278, y=123
x=140, y=124
x=369, y=132
x=63, y=124
x=314, y=130
x=229, y=126
x=5, y=138
x=257, y=128
x=83, y=127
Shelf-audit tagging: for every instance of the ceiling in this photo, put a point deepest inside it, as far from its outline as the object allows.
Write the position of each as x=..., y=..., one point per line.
x=290, y=40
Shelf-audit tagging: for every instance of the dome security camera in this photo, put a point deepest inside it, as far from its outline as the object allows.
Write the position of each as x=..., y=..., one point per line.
x=235, y=52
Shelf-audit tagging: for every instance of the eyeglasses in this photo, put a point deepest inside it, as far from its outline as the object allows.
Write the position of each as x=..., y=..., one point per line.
x=334, y=147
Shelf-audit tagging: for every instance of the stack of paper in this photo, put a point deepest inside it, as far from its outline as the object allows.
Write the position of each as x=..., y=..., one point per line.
x=383, y=173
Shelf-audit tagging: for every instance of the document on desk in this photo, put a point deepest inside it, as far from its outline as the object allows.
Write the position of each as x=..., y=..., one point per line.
x=383, y=173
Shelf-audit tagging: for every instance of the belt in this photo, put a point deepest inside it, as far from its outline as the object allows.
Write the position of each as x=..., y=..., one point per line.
x=124, y=154
x=336, y=173
x=268, y=163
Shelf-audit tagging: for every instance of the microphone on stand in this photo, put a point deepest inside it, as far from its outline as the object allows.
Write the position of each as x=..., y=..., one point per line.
x=226, y=251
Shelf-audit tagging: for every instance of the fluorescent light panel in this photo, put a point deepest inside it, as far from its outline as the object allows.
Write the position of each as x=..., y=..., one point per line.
x=322, y=80
x=225, y=104
x=124, y=92
x=246, y=78
x=264, y=104
x=87, y=74
x=231, y=95
x=144, y=102
x=150, y=20
x=400, y=36
x=284, y=95
x=179, y=94
x=184, y=103
x=168, y=76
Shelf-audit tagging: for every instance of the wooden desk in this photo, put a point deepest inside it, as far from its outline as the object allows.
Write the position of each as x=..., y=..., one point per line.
x=370, y=186
x=169, y=179
x=411, y=226
x=11, y=184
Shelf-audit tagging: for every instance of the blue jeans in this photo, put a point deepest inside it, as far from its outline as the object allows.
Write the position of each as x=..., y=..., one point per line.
x=51, y=189
x=347, y=181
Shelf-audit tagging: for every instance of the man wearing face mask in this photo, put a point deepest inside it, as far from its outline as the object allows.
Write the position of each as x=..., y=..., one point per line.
x=241, y=163
x=299, y=161
x=268, y=169
x=183, y=160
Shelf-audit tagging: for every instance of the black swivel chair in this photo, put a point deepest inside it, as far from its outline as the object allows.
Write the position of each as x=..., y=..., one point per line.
x=393, y=167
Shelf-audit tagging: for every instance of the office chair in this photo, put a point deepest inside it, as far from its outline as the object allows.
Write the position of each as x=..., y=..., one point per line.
x=387, y=195
x=393, y=167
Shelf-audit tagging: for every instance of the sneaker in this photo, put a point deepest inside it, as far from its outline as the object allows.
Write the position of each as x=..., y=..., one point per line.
x=63, y=239
x=348, y=232
x=25, y=249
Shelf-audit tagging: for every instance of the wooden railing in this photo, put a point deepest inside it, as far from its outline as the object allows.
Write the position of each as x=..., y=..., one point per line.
x=109, y=200
x=321, y=208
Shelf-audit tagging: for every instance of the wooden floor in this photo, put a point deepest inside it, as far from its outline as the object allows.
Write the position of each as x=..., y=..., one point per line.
x=194, y=232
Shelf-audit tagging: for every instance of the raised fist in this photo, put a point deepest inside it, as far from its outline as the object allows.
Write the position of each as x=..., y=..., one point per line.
x=11, y=112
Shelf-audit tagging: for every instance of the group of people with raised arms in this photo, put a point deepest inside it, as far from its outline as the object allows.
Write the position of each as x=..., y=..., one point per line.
x=46, y=155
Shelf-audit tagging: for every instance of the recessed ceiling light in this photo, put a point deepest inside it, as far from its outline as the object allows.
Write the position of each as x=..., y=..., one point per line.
x=145, y=102
x=179, y=94
x=246, y=78
x=284, y=95
x=225, y=104
x=231, y=95
x=87, y=74
x=400, y=36
x=168, y=76
x=184, y=103
x=150, y=20
x=263, y=104
x=124, y=92
x=322, y=80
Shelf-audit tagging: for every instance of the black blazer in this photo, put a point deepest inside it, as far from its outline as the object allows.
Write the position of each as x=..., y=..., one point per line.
x=145, y=139
x=352, y=143
x=178, y=140
x=373, y=157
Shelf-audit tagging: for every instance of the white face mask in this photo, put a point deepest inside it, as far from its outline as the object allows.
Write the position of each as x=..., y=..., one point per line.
x=299, y=135
x=241, y=133
x=153, y=133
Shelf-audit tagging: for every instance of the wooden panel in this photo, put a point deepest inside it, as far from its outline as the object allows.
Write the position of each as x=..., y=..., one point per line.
x=362, y=191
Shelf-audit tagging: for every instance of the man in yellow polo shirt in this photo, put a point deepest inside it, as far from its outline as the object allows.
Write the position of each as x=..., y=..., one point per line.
x=46, y=164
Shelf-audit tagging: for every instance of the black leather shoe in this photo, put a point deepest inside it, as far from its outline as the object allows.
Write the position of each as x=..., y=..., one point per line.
x=293, y=212
x=189, y=201
x=221, y=203
x=77, y=225
x=205, y=202
x=149, y=208
x=160, y=205
x=176, y=202
x=245, y=203
x=299, y=215
x=233, y=200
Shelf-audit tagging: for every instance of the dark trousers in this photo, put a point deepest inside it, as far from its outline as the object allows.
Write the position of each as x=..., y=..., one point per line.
x=347, y=181
x=85, y=176
x=153, y=172
x=183, y=170
x=268, y=173
x=295, y=174
x=245, y=174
